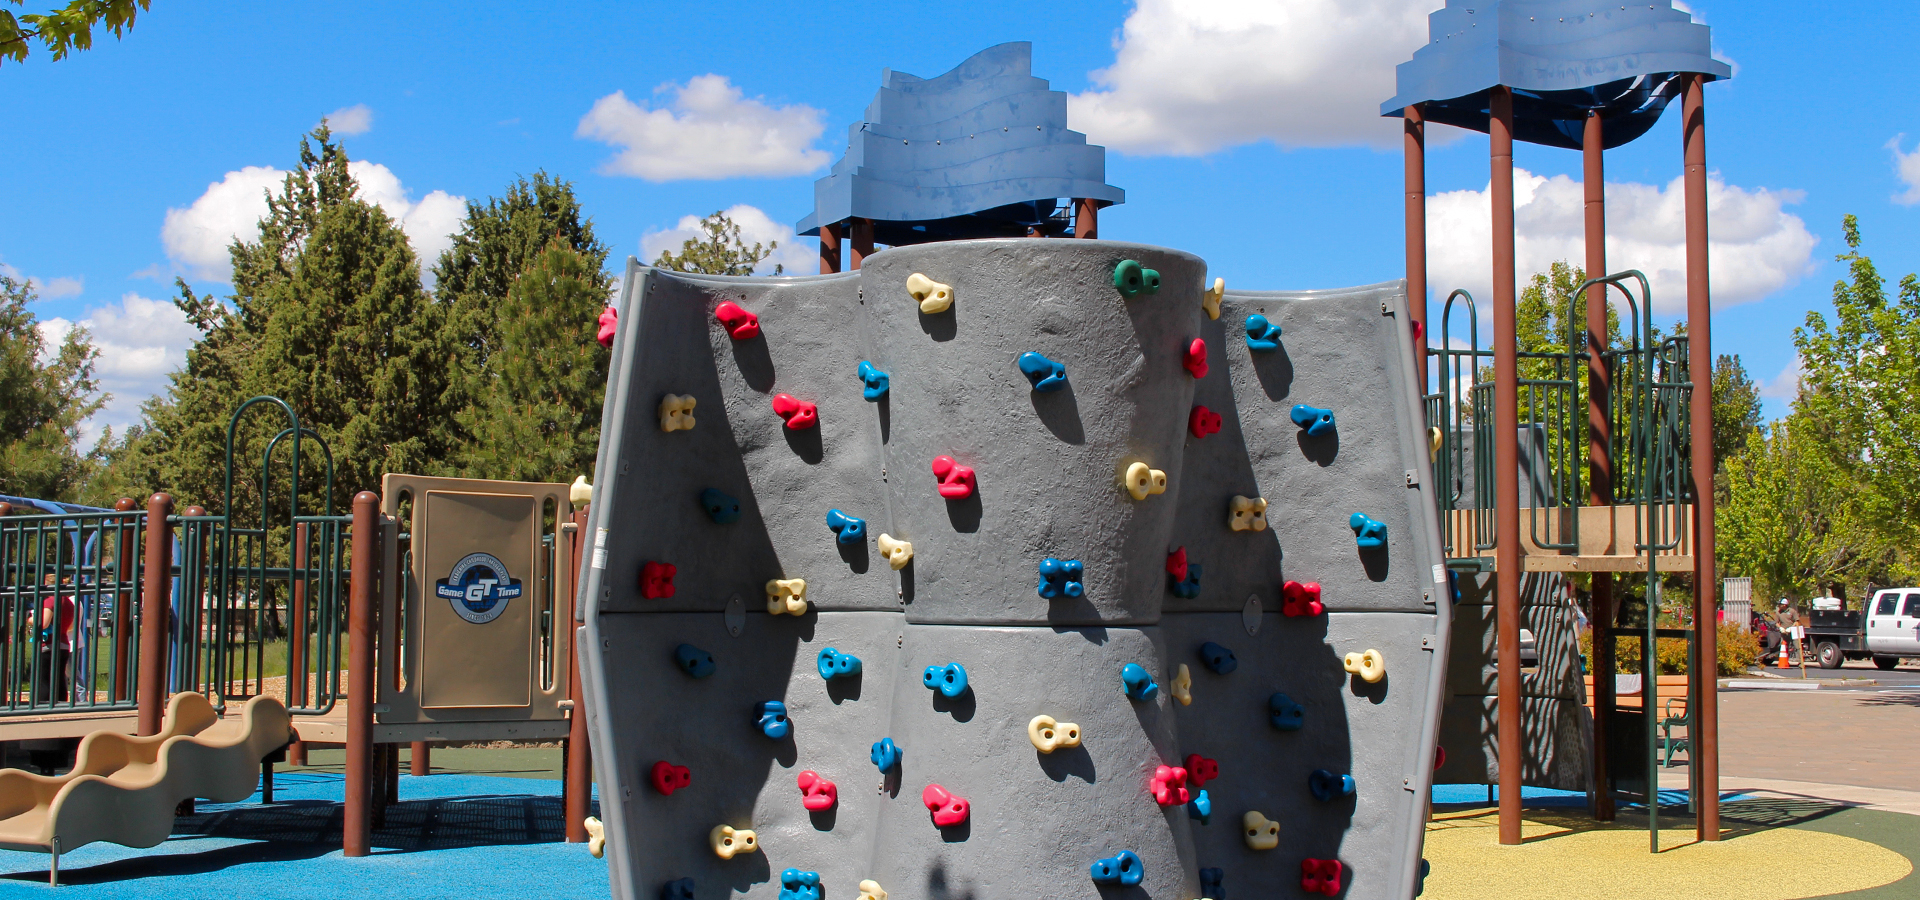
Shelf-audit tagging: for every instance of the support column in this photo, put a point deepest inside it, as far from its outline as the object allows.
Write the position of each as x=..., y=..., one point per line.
x=419, y=760
x=1705, y=703
x=297, y=639
x=862, y=239
x=122, y=603
x=151, y=687
x=1599, y=456
x=1506, y=443
x=358, y=837
x=830, y=249
x=1415, y=144
x=1086, y=218
x=577, y=790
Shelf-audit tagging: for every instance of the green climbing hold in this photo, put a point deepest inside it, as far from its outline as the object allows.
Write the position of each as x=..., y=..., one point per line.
x=1132, y=279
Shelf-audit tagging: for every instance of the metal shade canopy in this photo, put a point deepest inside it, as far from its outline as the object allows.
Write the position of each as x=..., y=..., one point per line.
x=981, y=151
x=1562, y=58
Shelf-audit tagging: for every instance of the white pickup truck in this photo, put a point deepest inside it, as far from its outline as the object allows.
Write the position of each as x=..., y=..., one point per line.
x=1893, y=626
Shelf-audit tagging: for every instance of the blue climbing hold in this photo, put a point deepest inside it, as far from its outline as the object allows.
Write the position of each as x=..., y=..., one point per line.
x=834, y=664
x=1261, y=335
x=1189, y=587
x=885, y=755
x=722, y=509
x=1210, y=886
x=1124, y=868
x=1328, y=787
x=1218, y=658
x=1285, y=714
x=1367, y=532
x=1421, y=888
x=850, y=531
x=693, y=660
x=1138, y=683
x=1315, y=420
x=773, y=719
x=1200, y=807
x=677, y=889
x=950, y=680
x=1045, y=374
x=875, y=381
x=1061, y=579
x=798, y=885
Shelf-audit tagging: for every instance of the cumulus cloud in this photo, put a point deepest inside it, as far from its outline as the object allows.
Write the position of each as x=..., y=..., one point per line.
x=429, y=223
x=355, y=119
x=1756, y=247
x=1190, y=77
x=799, y=256
x=1907, y=167
x=58, y=288
x=141, y=341
x=1786, y=385
x=707, y=129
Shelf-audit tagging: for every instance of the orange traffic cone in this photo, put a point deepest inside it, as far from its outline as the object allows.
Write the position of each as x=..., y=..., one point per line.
x=1784, y=644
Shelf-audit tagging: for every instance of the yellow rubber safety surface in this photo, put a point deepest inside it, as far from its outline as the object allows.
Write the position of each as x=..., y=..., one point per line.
x=1613, y=863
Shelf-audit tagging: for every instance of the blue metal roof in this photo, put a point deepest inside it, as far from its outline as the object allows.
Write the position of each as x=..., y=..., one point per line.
x=981, y=151
x=1562, y=58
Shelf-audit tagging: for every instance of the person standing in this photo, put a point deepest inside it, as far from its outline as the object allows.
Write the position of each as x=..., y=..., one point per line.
x=54, y=645
x=1787, y=621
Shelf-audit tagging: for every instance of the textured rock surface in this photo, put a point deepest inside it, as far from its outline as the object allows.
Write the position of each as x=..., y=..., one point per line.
x=1048, y=468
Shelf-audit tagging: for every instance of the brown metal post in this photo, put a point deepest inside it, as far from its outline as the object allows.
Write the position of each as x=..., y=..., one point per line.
x=579, y=783
x=830, y=248
x=123, y=606
x=419, y=760
x=1414, y=144
x=358, y=838
x=1599, y=457
x=1705, y=737
x=1506, y=443
x=155, y=589
x=1086, y=218
x=297, y=640
x=861, y=239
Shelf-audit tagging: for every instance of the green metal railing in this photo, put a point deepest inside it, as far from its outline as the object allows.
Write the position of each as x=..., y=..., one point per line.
x=83, y=566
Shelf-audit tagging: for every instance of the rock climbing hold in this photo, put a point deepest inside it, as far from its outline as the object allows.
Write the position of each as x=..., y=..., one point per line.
x=1132, y=279
x=1210, y=300
x=721, y=508
x=1247, y=513
x=1188, y=587
x=1315, y=420
x=1328, y=787
x=1210, y=884
x=1218, y=659
x=874, y=383
x=739, y=323
x=848, y=530
x=1138, y=683
x=1169, y=786
x=948, y=810
x=1177, y=564
x=1200, y=807
x=1439, y=756
x=1142, y=481
x=1202, y=422
x=1366, y=531
x=787, y=597
x=1201, y=770
x=1434, y=436
x=1048, y=735
x=1284, y=713
x=609, y=326
x=1262, y=335
x=932, y=296
x=870, y=890
x=798, y=413
x=656, y=580
x=579, y=492
x=956, y=480
x=773, y=719
x=1320, y=876
x=693, y=660
x=729, y=841
x=950, y=680
x=677, y=889
x=1043, y=373
x=834, y=664
x=676, y=412
x=1123, y=868
x=1061, y=578
x=816, y=793
x=1261, y=832
x=668, y=777
x=798, y=885
x=1181, y=686
x=898, y=553
x=1298, y=599
x=1370, y=666
x=1196, y=358
x=885, y=754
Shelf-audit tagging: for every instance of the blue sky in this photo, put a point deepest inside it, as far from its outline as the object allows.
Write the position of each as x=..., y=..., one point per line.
x=1244, y=132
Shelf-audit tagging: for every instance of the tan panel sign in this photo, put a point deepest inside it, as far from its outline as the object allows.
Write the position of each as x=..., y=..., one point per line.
x=477, y=555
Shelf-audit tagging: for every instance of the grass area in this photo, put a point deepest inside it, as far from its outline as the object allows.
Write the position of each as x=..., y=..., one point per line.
x=509, y=762
x=268, y=660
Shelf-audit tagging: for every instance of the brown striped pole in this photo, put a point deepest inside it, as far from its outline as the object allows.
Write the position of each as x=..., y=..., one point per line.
x=358, y=837
x=1506, y=443
x=155, y=588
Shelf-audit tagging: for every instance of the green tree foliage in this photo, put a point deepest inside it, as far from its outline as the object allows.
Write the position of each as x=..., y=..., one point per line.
x=1736, y=408
x=1787, y=521
x=67, y=29
x=720, y=252
x=43, y=399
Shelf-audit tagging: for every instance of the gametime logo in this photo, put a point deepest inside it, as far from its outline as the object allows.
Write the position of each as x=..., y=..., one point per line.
x=478, y=587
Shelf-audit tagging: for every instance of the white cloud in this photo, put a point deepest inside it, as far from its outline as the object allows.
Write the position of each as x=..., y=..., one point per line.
x=58, y=288
x=707, y=130
x=430, y=223
x=1907, y=167
x=1190, y=77
x=1755, y=246
x=355, y=119
x=141, y=341
x=799, y=256
x=1786, y=385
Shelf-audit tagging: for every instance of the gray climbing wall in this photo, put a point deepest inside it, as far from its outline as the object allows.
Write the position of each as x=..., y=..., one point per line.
x=1049, y=484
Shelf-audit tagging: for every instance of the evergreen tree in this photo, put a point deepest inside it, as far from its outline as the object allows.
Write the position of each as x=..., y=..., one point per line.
x=720, y=251
x=42, y=402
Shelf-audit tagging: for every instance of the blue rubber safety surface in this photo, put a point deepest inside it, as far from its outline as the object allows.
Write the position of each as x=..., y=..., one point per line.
x=451, y=835
x=1545, y=797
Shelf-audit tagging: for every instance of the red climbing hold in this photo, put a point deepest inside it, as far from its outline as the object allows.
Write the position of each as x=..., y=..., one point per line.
x=1298, y=599
x=609, y=323
x=1177, y=564
x=956, y=480
x=798, y=413
x=668, y=777
x=1203, y=421
x=1320, y=876
x=817, y=793
x=1170, y=786
x=656, y=580
x=740, y=324
x=947, y=809
x=1196, y=361
x=1201, y=770
x=1419, y=330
